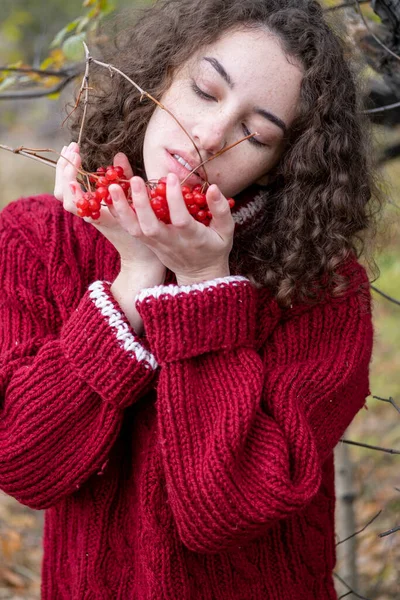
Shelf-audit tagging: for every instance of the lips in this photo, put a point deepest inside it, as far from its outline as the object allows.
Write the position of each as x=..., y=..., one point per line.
x=190, y=160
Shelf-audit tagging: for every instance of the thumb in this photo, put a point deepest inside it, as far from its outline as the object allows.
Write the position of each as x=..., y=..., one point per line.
x=222, y=221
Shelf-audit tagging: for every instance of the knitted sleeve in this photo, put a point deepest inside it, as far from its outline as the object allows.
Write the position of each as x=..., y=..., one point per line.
x=63, y=386
x=244, y=432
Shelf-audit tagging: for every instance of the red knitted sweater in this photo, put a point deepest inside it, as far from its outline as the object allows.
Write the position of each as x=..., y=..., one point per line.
x=193, y=463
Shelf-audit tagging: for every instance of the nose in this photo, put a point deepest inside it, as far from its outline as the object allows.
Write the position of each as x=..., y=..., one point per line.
x=210, y=136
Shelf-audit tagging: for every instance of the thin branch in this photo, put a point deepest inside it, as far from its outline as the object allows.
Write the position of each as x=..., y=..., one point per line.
x=84, y=86
x=361, y=530
x=358, y=2
x=219, y=154
x=39, y=93
x=345, y=5
x=41, y=72
x=351, y=591
x=385, y=295
x=31, y=153
x=390, y=400
x=370, y=111
x=388, y=450
x=389, y=532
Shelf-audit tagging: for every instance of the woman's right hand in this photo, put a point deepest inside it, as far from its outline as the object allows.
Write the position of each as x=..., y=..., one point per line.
x=133, y=253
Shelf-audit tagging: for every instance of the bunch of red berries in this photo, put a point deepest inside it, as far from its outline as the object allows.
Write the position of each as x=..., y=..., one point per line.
x=89, y=204
x=195, y=198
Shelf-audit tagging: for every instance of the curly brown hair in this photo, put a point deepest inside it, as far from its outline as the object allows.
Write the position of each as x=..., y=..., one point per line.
x=323, y=202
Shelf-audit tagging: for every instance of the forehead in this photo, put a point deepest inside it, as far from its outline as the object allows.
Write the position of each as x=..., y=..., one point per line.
x=258, y=66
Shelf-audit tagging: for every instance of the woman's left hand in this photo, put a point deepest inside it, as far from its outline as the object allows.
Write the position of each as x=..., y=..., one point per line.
x=188, y=248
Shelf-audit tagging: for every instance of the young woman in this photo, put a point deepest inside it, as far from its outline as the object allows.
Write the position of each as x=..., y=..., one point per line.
x=172, y=394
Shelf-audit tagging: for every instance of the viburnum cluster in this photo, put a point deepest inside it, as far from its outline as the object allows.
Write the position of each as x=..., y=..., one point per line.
x=91, y=201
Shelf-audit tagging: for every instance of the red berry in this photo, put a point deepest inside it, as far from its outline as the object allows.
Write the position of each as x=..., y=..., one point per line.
x=209, y=214
x=101, y=170
x=120, y=171
x=231, y=202
x=161, y=188
x=94, y=205
x=102, y=181
x=101, y=193
x=95, y=215
x=125, y=185
x=108, y=200
x=111, y=174
x=82, y=203
x=202, y=215
x=157, y=203
x=193, y=209
x=200, y=199
x=188, y=198
x=186, y=190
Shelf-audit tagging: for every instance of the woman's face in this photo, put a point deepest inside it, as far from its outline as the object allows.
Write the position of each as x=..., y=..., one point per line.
x=241, y=84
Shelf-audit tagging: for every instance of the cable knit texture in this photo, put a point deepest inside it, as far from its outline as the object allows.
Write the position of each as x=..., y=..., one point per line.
x=193, y=462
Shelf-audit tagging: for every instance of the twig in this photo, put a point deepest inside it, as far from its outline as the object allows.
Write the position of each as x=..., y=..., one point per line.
x=31, y=153
x=39, y=93
x=344, y=5
x=351, y=591
x=370, y=111
x=390, y=400
x=385, y=295
x=84, y=86
x=219, y=154
x=376, y=38
x=389, y=532
x=388, y=450
x=361, y=530
x=41, y=72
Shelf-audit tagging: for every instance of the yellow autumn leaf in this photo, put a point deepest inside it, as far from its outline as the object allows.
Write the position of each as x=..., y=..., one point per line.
x=10, y=543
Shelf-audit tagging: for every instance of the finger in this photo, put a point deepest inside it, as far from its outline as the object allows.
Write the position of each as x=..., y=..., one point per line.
x=123, y=211
x=179, y=214
x=121, y=160
x=61, y=164
x=69, y=177
x=148, y=221
x=222, y=221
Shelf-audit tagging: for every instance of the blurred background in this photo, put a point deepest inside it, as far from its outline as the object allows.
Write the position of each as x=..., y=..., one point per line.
x=27, y=28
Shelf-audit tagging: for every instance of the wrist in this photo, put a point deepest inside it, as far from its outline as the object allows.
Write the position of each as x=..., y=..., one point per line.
x=202, y=277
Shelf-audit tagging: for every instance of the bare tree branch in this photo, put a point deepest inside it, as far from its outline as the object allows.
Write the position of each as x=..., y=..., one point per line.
x=388, y=450
x=364, y=20
x=345, y=5
x=41, y=72
x=38, y=93
x=390, y=400
x=351, y=591
x=389, y=532
x=379, y=109
x=361, y=530
x=385, y=295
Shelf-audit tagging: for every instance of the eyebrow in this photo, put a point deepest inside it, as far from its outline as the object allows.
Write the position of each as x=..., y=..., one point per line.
x=260, y=111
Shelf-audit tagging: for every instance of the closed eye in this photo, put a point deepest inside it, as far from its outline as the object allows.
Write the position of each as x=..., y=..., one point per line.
x=199, y=92
x=202, y=94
